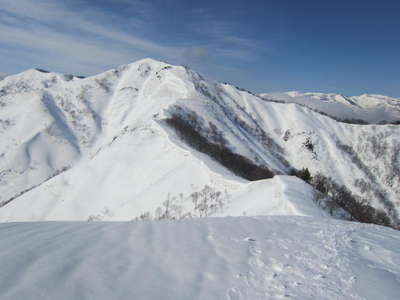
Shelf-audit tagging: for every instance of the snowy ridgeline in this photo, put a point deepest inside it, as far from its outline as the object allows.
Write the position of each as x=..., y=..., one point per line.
x=103, y=148
x=213, y=258
x=363, y=109
x=151, y=141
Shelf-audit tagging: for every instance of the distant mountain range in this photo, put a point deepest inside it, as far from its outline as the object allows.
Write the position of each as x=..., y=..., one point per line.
x=364, y=109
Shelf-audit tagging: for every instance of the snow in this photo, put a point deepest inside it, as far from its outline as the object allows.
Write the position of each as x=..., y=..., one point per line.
x=107, y=192
x=213, y=258
x=283, y=195
x=98, y=148
x=368, y=108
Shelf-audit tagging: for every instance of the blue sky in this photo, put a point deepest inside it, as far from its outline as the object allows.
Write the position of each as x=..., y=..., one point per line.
x=350, y=47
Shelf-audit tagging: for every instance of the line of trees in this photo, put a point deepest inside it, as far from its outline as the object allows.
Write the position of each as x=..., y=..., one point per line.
x=237, y=163
x=356, y=206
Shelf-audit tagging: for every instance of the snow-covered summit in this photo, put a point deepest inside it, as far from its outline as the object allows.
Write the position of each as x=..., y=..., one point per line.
x=131, y=141
x=150, y=140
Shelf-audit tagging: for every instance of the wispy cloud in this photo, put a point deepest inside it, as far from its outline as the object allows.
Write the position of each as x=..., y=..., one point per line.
x=84, y=42
x=224, y=42
x=78, y=38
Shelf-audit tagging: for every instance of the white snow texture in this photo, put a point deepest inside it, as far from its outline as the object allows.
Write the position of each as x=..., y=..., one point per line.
x=100, y=149
x=213, y=258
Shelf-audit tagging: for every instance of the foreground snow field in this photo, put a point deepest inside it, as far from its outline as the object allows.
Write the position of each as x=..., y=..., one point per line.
x=212, y=258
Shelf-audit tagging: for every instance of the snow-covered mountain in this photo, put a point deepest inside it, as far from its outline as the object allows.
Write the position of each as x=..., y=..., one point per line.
x=367, y=109
x=213, y=258
x=152, y=140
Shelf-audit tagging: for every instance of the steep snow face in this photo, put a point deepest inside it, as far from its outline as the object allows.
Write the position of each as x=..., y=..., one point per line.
x=49, y=121
x=100, y=148
x=213, y=258
x=366, y=108
x=2, y=75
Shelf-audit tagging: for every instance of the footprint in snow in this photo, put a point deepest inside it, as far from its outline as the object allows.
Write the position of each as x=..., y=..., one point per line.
x=249, y=239
x=233, y=294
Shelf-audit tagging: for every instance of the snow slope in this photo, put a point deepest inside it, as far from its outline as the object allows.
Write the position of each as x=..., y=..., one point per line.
x=214, y=258
x=99, y=148
x=367, y=108
x=93, y=149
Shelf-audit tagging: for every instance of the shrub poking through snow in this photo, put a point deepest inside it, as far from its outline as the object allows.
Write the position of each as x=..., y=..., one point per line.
x=204, y=202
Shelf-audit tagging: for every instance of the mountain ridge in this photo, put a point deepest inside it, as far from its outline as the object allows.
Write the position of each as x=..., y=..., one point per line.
x=112, y=126
x=362, y=109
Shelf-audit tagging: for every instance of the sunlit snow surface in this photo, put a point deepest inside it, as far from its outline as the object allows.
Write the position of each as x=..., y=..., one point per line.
x=97, y=148
x=214, y=258
x=368, y=108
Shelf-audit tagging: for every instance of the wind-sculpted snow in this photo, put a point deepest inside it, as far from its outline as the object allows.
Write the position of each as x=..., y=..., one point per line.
x=101, y=148
x=214, y=258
